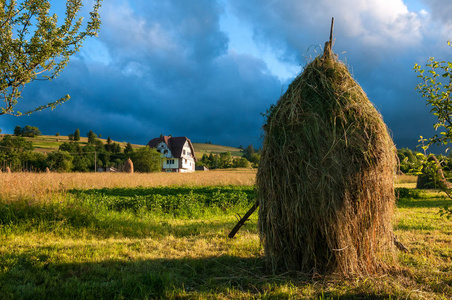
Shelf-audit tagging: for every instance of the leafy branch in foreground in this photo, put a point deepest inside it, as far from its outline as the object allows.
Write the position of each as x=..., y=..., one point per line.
x=436, y=88
x=27, y=56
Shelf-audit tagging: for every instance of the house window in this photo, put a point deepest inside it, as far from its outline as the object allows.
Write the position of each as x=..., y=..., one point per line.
x=170, y=161
x=183, y=152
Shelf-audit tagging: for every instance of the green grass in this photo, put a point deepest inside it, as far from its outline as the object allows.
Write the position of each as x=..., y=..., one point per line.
x=201, y=149
x=147, y=243
x=49, y=143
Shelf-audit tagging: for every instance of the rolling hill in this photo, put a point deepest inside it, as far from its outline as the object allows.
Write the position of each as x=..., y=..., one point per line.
x=49, y=143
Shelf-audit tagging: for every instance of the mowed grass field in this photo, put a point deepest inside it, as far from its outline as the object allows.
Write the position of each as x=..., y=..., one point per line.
x=49, y=143
x=164, y=236
x=202, y=148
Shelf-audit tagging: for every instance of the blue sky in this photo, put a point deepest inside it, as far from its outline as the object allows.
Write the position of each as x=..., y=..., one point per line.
x=207, y=69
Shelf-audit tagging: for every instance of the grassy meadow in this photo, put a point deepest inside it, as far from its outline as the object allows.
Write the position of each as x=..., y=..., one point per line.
x=49, y=143
x=151, y=236
x=202, y=148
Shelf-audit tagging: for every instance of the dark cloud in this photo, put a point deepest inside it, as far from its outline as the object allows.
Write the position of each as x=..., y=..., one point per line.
x=165, y=67
x=380, y=41
x=165, y=71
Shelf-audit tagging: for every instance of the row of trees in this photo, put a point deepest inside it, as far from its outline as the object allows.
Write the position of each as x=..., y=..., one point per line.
x=18, y=154
x=222, y=161
x=27, y=131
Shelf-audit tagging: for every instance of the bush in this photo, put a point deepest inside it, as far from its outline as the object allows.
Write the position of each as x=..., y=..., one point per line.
x=407, y=193
x=59, y=161
x=146, y=160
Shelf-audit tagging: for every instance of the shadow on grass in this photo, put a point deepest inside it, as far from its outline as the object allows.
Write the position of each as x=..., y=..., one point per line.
x=143, y=228
x=168, y=190
x=103, y=222
x=35, y=276
x=423, y=203
x=21, y=216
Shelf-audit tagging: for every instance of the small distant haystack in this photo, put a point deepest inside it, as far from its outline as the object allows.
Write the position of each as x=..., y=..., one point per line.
x=47, y=170
x=8, y=170
x=128, y=166
x=325, y=180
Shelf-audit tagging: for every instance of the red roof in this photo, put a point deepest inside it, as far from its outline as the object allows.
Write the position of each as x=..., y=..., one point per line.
x=175, y=144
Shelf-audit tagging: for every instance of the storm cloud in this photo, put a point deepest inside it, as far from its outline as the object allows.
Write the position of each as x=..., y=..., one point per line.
x=208, y=69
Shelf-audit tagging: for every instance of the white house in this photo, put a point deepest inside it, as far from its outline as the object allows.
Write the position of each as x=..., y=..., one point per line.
x=177, y=153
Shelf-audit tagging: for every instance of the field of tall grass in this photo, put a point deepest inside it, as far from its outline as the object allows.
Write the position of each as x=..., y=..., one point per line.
x=148, y=236
x=38, y=185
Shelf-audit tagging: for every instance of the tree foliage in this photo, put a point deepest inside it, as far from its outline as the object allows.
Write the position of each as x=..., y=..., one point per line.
x=146, y=160
x=128, y=150
x=33, y=46
x=77, y=135
x=60, y=161
x=92, y=137
x=27, y=131
x=15, y=143
x=409, y=162
x=436, y=87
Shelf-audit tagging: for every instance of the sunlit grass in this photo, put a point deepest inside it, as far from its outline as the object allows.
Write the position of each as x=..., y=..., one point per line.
x=406, y=181
x=42, y=185
x=64, y=241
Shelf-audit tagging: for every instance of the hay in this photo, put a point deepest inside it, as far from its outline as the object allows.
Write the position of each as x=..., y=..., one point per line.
x=47, y=170
x=8, y=170
x=128, y=166
x=325, y=180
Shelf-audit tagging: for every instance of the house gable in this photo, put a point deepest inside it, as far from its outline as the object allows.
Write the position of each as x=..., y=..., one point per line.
x=174, y=145
x=177, y=152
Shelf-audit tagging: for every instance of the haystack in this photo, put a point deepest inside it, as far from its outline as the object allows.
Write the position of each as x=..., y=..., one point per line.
x=325, y=180
x=8, y=170
x=128, y=166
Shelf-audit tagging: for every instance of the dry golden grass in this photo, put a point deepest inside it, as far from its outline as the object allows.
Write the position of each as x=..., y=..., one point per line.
x=406, y=181
x=41, y=185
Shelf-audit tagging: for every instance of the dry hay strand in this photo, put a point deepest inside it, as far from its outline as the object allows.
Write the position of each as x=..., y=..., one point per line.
x=128, y=166
x=325, y=180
